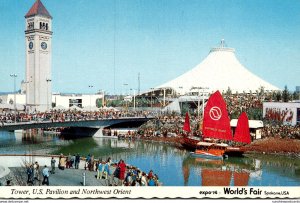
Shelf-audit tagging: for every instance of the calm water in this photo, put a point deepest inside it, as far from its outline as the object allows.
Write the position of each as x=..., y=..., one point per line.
x=174, y=166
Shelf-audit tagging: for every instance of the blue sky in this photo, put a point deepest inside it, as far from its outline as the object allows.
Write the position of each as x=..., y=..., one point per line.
x=160, y=39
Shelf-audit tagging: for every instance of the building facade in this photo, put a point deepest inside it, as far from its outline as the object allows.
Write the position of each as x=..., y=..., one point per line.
x=87, y=102
x=287, y=113
x=38, y=35
x=84, y=101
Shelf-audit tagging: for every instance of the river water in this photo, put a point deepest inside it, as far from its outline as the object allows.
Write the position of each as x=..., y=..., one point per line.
x=173, y=165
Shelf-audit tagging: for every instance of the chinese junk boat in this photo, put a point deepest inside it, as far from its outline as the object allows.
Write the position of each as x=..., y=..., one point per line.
x=216, y=126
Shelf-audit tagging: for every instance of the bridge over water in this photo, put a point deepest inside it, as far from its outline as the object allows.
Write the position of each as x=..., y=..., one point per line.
x=124, y=122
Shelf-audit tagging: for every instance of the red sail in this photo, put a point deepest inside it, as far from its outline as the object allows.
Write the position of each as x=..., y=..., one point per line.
x=242, y=133
x=216, y=123
x=186, y=125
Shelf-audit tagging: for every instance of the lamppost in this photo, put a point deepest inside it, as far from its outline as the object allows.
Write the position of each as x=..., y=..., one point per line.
x=133, y=99
x=91, y=86
x=48, y=80
x=14, y=76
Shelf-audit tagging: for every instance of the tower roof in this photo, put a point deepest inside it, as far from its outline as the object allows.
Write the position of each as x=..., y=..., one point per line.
x=38, y=9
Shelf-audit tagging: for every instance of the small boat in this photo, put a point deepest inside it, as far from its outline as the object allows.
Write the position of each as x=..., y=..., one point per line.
x=216, y=125
x=209, y=150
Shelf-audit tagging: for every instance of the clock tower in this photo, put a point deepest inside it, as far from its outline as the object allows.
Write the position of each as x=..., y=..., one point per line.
x=38, y=34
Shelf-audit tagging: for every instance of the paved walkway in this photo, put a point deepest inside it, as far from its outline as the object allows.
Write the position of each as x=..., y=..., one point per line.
x=13, y=168
x=67, y=177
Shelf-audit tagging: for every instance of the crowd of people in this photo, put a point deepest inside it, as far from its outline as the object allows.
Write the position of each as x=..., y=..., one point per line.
x=282, y=131
x=237, y=103
x=173, y=127
x=69, y=115
x=169, y=126
x=104, y=169
x=127, y=175
x=34, y=173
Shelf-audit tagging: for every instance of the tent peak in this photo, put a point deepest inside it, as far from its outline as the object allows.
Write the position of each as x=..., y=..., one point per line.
x=222, y=47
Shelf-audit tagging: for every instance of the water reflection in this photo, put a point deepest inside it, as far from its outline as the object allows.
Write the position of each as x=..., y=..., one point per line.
x=232, y=171
x=251, y=170
x=173, y=165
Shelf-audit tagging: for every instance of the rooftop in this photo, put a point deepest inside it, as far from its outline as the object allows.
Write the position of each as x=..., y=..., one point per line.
x=38, y=9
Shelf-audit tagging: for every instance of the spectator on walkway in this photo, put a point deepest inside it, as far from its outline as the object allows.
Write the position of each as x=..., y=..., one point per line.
x=36, y=171
x=68, y=162
x=122, y=168
x=53, y=161
x=46, y=175
x=151, y=182
x=150, y=174
x=91, y=164
x=87, y=162
x=62, y=162
x=144, y=181
x=73, y=160
x=107, y=171
x=100, y=169
x=8, y=183
x=77, y=161
x=29, y=174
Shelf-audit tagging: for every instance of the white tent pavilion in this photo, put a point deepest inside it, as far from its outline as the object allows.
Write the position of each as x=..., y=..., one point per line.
x=220, y=70
x=173, y=107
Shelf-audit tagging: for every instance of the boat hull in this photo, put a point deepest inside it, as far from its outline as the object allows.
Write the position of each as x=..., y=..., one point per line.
x=234, y=151
x=190, y=143
x=206, y=156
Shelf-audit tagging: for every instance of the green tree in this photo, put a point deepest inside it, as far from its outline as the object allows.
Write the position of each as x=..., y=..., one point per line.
x=99, y=103
x=296, y=95
x=142, y=102
x=261, y=92
x=278, y=96
x=228, y=92
x=285, y=94
x=185, y=108
x=255, y=114
x=114, y=103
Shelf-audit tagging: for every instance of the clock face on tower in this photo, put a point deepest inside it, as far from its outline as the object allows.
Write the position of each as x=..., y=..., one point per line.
x=30, y=45
x=44, y=45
